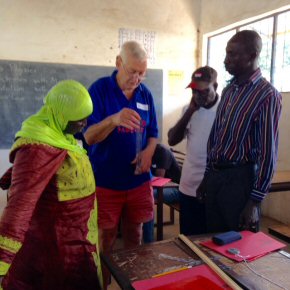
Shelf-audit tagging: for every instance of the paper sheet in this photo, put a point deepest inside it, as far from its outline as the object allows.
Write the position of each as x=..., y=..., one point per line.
x=197, y=278
x=159, y=181
x=251, y=246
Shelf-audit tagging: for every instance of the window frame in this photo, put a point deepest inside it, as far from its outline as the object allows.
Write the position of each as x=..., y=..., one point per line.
x=274, y=39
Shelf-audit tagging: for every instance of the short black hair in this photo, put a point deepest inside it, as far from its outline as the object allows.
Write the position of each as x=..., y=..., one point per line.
x=251, y=40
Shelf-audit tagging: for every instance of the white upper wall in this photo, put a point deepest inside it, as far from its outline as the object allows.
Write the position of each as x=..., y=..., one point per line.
x=230, y=14
x=216, y=14
x=86, y=32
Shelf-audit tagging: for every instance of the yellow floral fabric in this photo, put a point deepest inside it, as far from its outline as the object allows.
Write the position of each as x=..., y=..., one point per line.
x=75, y=177
x=24, y=141
x=4, y=267
x=93, y=237
x=9, y=244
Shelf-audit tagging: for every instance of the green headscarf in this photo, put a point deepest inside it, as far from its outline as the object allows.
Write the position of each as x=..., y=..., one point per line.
x=67, y=101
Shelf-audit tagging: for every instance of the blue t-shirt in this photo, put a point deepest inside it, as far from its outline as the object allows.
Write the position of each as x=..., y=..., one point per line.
x=111, y=159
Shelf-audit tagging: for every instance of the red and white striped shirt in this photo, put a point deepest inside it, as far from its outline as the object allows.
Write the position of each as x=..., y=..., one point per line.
x=246, y=129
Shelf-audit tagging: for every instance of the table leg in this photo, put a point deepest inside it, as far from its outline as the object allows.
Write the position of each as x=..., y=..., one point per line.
x=159, y=213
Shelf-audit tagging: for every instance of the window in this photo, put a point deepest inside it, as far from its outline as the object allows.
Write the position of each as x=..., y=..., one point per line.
x=216, y=56
x=282, y=61
x=265, y=29
x=275, y=55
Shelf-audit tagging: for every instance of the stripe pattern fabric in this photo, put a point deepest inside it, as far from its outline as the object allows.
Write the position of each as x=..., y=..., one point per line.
x=246, y=129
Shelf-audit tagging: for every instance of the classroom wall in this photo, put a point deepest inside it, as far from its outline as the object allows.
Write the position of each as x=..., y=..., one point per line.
x=86, y=32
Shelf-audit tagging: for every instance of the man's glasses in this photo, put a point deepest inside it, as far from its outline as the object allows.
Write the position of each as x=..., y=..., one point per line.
x=140, y=76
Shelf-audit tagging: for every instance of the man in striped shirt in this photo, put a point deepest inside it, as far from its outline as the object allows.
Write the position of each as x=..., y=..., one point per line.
x=243, y=143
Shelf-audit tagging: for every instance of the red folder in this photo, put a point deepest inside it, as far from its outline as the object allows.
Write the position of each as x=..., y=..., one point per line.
x=251, y=246
x=197, y=278
x=159, y=181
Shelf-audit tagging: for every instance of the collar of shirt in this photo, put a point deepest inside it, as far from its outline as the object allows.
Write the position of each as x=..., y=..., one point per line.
x=254, y=78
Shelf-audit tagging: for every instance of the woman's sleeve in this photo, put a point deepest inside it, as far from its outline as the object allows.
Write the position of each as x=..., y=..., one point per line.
x=33, y=168
x=5, y=180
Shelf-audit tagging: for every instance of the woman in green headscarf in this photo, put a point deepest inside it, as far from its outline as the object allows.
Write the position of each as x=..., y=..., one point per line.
x=48, y=231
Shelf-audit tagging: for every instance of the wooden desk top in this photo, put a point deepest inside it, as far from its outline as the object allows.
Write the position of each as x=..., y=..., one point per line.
x=280, y=181
x=281, y=176
x=145, y=261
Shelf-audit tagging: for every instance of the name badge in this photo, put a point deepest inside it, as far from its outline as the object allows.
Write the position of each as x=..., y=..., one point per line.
x=143, y=107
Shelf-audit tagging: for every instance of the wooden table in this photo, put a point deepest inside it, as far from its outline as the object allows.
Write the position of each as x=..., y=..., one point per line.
x=148, y=260
x=159, y=218
x=280, y=182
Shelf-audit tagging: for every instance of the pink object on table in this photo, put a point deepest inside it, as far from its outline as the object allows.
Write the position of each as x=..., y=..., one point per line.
x=251, y=246
x=197, y=278
x=159, y=181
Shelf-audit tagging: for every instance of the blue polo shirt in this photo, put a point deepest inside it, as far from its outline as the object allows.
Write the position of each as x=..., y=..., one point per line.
x=111, y=159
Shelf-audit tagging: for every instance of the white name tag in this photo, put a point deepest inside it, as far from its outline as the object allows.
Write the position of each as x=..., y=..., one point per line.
x=143, y=107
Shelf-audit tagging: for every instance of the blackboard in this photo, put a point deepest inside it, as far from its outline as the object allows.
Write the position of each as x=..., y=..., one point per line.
x=23, y=85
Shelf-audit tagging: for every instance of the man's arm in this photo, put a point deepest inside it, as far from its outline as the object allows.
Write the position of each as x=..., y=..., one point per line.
x=127, y=118
x=177, y=133
x=268, y=146
x=269, y=121
x=160, y=172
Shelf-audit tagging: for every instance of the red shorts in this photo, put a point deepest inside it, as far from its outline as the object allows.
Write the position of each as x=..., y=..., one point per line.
x=134, y=205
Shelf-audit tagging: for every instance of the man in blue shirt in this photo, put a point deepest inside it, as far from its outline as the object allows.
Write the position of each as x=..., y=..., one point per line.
x=122, y=134
x=243, y=143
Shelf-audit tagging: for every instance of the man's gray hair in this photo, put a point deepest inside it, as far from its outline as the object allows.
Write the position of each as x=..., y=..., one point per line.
x=133, y=49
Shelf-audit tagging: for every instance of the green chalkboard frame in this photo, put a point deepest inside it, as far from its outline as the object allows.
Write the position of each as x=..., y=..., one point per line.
x=23, y=86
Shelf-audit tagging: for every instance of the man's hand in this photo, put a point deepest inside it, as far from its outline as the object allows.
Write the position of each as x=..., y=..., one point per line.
x=178, y=131
x=143, y=161
x=249, y=218
x=127, y=118
x=193, y=106
x=98, y=132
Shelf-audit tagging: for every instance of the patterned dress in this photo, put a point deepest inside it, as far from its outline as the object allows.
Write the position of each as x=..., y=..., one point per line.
x=48, y=231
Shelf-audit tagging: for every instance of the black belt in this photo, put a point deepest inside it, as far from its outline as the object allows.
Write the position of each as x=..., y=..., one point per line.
x=228, y=165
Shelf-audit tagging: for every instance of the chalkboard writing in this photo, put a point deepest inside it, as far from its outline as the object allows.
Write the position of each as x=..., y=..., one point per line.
x=23, y=85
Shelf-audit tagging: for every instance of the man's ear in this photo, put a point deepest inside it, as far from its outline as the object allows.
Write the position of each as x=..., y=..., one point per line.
x=215, y=85
x=254, y=56
x=118, y=61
